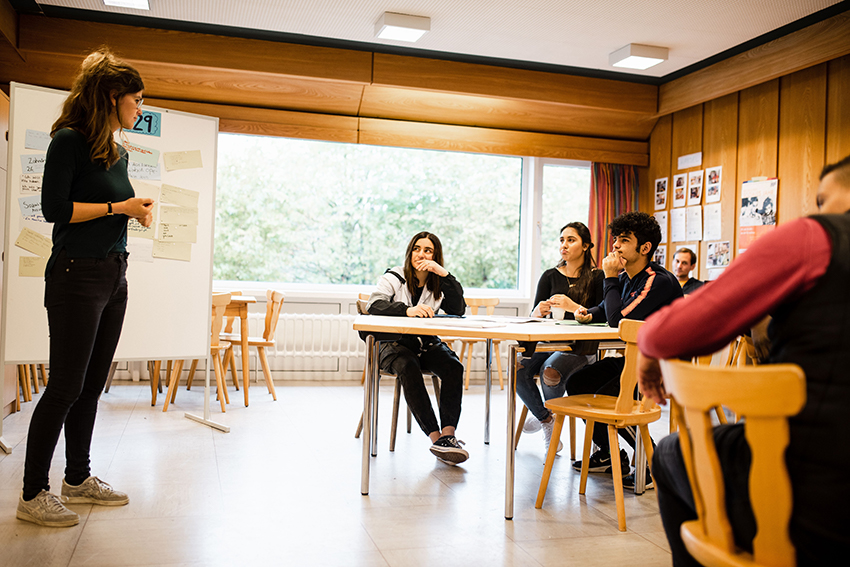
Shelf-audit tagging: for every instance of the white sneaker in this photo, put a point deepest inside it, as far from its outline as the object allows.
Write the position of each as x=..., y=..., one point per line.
x=531, y=425
x=46, y=509
x=547, y=427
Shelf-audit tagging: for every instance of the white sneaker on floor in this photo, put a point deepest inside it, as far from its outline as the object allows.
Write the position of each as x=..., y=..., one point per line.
x=48, y=510
x=94, y=491
x=531, y=425
x=547, y=428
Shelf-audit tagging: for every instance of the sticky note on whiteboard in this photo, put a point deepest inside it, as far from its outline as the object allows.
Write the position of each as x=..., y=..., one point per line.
x=32, y=267
x=141, y=154
x=172, y=250
x=182, y=160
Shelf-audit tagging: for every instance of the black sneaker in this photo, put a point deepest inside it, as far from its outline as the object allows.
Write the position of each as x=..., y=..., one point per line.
x=629, y=481
x=447, y=449
x=600, y=462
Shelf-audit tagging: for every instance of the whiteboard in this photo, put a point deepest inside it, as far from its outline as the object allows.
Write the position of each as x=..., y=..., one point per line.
x=168, y=311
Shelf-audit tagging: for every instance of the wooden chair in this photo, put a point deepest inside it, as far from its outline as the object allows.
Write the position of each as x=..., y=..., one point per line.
x=28, y=380
x=766, y=396
x=435, y=380
x=219, y=304
x=616, y=412
x=474, y=303
x=274, y=301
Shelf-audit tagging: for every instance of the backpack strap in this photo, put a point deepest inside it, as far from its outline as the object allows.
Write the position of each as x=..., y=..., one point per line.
x=396, y=274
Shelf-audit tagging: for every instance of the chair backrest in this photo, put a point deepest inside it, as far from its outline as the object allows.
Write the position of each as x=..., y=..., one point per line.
x=274, y=301
x=628, y=331
x=722, y=357
x=228, y=321
x=765, y=396
x=475, y=302
x=745, y=352
x=219, y=304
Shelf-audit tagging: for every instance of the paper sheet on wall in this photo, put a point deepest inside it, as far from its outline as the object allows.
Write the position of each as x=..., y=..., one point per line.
x=32, y=266
x=713, y=181
x=680, y=190
x=660, y=256
x=694, y=187
x=145, y=190
x=719, y=255
x=179, y=215
x=172, y=250
x=172, y=195
x=33, y=163
x=140, y=250
x=31, y=183
x=660, y=193
x=36, y=140
x=32, y=241
x=661, y=217
x=137, y=170
x=31, y=208
x=140, y=153
x=178, y=232
x=712, y=222
x=694, y=223
x=678, y=229
x=182, y=160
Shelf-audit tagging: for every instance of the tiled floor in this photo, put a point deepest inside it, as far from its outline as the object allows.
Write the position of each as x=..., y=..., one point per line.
x=283, y=488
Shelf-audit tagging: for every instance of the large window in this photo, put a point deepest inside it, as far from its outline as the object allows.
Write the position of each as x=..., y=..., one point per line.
x=566, y=193
x=296, y=211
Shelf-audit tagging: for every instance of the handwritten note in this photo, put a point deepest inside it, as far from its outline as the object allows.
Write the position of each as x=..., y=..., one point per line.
x=178, y=232
x=145, y=190
x=31, y=241
x=31, y=183
x=31, y=208
x=140, y=250
x=141, y=154
x=136, y=170
x=33, y=163
x=177, y=196
x=172, y=250
x=136, y=230
x=180, y=215
x=36, y=140
x=32, y=267
x=182, y=160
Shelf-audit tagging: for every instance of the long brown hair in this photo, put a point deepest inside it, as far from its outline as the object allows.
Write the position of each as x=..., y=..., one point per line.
x=432, y=281
x=584, y=285
x=103, y=79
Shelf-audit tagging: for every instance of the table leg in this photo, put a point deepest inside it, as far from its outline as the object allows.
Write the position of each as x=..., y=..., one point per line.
x=510, y=455
x=488, y=384
x=366, y=436
x=243, y=326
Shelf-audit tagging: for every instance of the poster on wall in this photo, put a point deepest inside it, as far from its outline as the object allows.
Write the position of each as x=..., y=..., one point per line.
x=661, y=217
x=694, y=188
x=713, y=179
x=758, y=210
x=680, y=190
x=719, y=255
x=660, y=256
x=660, y=193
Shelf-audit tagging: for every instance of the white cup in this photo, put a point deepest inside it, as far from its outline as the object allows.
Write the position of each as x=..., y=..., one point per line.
x=558, y=312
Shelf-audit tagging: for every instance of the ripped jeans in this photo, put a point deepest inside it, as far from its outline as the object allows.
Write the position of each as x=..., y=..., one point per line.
x=564, y=363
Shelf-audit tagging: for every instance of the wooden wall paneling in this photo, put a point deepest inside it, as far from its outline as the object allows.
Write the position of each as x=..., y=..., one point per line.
x=510, y=114
x=838, y=110
x=802, y=139
x=487, y=140
x=686, y=138
x=810, y=46
x=720, y=147
x=659, y=166
x=758, y=127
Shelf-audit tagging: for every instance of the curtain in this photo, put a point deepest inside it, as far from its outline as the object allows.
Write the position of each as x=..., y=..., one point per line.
x=613, y=191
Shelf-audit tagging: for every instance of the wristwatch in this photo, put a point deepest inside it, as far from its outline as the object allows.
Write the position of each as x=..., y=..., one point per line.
x=108, y=209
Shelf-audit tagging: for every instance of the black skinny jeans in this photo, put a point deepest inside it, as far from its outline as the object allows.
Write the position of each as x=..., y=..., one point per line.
x=85, y=299
x=408, y=366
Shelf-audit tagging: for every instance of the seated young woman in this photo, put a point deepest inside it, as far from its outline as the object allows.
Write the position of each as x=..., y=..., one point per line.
x=420, y=289
x=574, y=282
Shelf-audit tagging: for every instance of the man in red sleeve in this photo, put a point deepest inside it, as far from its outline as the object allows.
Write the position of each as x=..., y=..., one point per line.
x=799, y=275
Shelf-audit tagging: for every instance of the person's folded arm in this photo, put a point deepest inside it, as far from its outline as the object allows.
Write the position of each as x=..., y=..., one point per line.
x=453, y=302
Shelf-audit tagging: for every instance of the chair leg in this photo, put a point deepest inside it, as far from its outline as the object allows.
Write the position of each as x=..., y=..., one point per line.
x=394, y=426
x=34, y=373
x=409, y=420
x=498, y=354
x=614, y=450
x=647, y=446
x=522, y=417
x=550, y=459
x=721, y=416
x=468, y=366
x=231, y=356
x=27, y=382
x=572, y=438
x=171, y=393
x=264, y=362
x=585, y=455
x=153, y=371
x=191, y=374
x=219, y=381
x=673, y=425
x=175, y=376
x=359, y=427
x=43, y=374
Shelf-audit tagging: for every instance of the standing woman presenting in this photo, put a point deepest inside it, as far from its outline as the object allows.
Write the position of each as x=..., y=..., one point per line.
x=87, y=195
x=420, y=289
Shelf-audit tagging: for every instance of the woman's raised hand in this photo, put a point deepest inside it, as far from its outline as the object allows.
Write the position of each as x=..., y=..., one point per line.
x=420, y=311
x=431, y=266
x=543, y=308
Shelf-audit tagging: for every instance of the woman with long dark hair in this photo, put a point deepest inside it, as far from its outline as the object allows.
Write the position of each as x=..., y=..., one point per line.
x=87, y=194
x=574, y=282
x=420, y=289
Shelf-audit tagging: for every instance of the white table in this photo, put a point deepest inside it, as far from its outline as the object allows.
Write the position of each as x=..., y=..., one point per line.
x=476, y=327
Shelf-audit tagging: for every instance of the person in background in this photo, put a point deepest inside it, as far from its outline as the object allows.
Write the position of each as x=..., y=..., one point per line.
x=806, y=294
x=87, y=194
x=574, y=282
x=634, y=288
x=420, y=289
x=684, y=261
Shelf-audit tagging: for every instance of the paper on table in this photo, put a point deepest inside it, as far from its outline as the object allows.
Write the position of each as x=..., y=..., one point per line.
x=33, y=163
x=140, y=250
x=172, y=250
x=712, y=221
x=178, y=196
x=137, y=170
x=476, y=324
x=178, y=232
x=31, y=241
x=180, y=215
x=677, y=225
x=140, y=153
x=182, y=160
x=32, y=267
x=36, y=140
x=31, y=183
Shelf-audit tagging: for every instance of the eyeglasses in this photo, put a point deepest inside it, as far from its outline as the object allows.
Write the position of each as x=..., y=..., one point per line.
x=140, y=102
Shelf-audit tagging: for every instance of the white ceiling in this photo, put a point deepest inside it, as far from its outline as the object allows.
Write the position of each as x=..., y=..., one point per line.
x=575, y=33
